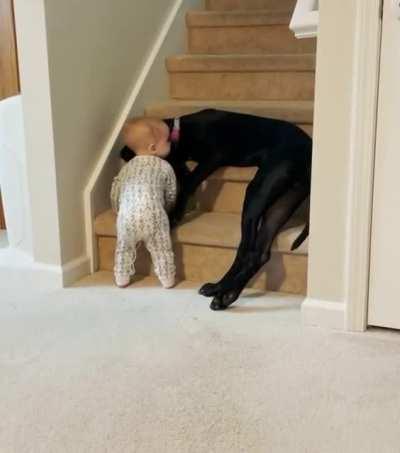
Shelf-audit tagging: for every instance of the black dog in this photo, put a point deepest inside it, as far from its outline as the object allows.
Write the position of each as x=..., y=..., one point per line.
x=282, y=153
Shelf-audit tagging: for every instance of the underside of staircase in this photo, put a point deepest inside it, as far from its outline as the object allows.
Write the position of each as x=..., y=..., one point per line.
x=241, y=57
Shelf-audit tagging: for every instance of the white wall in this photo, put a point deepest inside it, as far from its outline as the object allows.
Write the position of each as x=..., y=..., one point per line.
x=151, y=86
x=79, y=62
x=13, y=176
x=96, y=50
x=38, y=125
x=331, y=157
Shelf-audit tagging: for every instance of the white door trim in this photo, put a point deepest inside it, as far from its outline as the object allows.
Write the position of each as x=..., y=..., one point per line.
x=363, y=137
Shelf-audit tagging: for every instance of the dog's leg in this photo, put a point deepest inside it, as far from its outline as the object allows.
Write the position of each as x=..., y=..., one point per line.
x=269, y=183
x=251, y=215
x=275, y=218
x=189, y=185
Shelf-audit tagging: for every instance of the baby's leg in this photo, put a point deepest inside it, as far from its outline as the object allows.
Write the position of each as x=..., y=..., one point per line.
x=160, y=247
x=125, y=255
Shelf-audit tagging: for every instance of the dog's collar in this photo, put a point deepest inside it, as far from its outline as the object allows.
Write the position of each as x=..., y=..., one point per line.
x=176, y=131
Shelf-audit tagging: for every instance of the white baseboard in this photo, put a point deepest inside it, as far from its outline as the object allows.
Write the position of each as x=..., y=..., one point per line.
x=18, y=269
x=322, y=313
x=75, y=270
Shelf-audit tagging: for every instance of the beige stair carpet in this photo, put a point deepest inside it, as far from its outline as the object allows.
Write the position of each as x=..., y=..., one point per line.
x=241, y=57
x=242, y=77
x=244, y=32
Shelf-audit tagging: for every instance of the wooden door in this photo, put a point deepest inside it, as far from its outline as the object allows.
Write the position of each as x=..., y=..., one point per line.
x=9, y=79
x=384, y=298
x=2, y=218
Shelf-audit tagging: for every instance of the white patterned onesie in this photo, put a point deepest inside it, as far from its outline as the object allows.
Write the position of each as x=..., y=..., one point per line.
x=141, y=194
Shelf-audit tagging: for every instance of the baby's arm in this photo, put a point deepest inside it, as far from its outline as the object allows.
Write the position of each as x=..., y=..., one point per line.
x=115, y=193
x=170, y=188
x=116, y=189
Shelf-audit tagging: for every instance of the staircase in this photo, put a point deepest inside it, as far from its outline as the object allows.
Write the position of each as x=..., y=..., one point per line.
x=242, y=57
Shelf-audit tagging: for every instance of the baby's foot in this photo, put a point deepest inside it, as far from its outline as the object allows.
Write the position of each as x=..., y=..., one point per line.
x=122, y=281
x=168, y=282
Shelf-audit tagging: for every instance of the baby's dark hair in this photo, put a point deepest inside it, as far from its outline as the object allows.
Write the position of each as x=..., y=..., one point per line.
x=126, y=154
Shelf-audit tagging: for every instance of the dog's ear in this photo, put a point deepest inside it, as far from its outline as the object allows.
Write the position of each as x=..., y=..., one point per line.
x=127, y=154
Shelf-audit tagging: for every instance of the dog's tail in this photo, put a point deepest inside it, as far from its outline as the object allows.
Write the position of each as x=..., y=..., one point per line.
x=302, y=236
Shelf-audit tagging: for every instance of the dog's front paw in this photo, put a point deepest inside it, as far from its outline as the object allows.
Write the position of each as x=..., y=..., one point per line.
x=224, y=301
x=217, y=305
x=230, y=297
x=209, y=289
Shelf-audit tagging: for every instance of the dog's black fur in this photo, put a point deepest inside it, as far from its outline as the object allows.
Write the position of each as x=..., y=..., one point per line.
x=282, y=153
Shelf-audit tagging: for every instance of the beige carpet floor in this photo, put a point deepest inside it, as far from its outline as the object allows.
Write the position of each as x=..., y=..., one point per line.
x=97, y=369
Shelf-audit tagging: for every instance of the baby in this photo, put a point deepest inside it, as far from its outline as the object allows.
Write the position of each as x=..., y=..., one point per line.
x=141, y=194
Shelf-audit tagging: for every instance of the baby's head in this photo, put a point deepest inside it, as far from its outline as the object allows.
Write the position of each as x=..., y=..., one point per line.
x=147, y=136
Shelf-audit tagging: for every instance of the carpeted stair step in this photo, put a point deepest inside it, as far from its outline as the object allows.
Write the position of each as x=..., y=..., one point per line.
x=224, y=190
x=242, y=77
x=228, y=5
x=243, y=58
x=244, y=32
x=299, y=112
x=242, y=63
x=221, y=195
x=230, y=174
x=205, y=247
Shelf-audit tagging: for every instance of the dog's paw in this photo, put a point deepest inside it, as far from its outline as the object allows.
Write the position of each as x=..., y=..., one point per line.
x=209, y=289
x=230, y=297
x=217, y=305
x=224, y=301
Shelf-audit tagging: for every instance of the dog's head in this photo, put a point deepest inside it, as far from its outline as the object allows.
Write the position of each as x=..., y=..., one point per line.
x=127, y=154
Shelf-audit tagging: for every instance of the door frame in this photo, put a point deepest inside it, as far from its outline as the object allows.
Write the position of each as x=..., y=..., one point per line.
x=362, y=149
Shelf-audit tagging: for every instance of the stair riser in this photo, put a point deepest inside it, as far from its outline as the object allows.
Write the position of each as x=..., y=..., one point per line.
x=221, y=196
x=228, y=5
x=243, y=86
x=284, y=272
x=217, y=195
x=272, y=39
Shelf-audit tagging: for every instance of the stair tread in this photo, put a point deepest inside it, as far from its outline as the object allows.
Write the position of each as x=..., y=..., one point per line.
x=237, y=18
x=241, y=63
x=300, y=112
x=234, y=174
x=213, y=229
